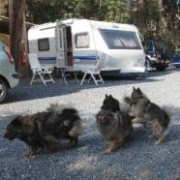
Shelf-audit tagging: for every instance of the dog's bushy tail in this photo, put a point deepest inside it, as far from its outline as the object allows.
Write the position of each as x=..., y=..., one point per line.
x=56, y=108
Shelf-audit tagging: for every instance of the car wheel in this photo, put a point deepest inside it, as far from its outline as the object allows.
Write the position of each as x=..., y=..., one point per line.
x=3, y=90
x=148, y=65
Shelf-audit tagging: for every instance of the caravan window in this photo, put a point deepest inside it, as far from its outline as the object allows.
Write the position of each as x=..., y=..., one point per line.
x=82, y=40
x=43, y=44
x=116, y=39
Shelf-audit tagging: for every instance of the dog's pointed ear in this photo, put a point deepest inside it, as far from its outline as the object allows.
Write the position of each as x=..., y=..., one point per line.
x=106, y=96
x=134, y=88
x=118, y=107
x=16, y=121
x=139, y=91
x=110, y=96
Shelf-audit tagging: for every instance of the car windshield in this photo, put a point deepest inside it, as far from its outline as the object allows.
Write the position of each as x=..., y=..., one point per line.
x=116, y=39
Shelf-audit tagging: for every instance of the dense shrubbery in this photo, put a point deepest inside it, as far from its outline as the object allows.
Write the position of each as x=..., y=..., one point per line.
x=160, y=19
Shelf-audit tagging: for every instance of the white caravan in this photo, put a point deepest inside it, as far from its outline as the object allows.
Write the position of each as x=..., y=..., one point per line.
x=79, y=43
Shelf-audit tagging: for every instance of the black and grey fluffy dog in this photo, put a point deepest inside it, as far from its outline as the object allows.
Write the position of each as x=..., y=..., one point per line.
x=146, y=112
x=44, y=130
x=113, y=123
x=110, y=103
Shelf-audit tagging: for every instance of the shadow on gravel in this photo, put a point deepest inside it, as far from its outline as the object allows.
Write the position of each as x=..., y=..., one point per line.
x=37, y=91
x=155, y=73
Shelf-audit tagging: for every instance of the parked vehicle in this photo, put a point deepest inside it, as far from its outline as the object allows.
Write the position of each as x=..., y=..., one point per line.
x=80, y=42
x=176, y=58
x=157, y=55
x=8, y=76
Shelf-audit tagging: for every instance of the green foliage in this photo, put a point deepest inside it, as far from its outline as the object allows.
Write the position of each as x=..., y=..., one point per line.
x=160, y=20
x=3, y=7
x=116, y=11
x=151, y=10
x=40, y=11
x=151, y=17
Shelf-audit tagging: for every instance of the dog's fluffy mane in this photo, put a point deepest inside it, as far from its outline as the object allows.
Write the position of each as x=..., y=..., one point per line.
x=58, y=108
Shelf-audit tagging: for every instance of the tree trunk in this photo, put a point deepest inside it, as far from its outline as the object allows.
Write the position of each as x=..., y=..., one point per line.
x=18, y=35
x=140, y=14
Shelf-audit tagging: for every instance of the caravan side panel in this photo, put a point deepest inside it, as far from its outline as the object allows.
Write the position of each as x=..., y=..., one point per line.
x=84, y=49
x=41, y=40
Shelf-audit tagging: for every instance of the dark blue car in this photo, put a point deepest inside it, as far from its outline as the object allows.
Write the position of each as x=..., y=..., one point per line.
x=157, y=55
x=176, y=59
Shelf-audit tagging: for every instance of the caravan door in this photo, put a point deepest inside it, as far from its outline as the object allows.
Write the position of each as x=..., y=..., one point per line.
x=61, y=54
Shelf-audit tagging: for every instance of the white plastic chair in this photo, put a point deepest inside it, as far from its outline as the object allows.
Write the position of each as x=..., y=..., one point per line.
x=38, y=70
x=95, y=71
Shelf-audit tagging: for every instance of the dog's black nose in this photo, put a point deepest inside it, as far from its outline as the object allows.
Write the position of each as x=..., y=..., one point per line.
x=7, y=135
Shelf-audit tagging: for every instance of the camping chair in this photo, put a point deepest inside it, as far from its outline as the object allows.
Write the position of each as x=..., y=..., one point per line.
x=69, y=69
x=95, y=71
x=38, y=70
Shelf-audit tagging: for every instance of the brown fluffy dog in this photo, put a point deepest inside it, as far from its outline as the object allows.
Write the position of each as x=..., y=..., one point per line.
x=114, y=124
x=45, y=129
x=146, y=112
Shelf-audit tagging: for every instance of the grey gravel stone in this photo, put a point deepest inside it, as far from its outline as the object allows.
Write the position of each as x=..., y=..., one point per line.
x=139, y=159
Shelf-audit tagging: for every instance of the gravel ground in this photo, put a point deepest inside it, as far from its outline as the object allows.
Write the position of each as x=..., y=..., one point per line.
x=140, y=159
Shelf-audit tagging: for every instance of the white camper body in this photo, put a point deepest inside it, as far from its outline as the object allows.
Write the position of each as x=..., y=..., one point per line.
x=79, y=43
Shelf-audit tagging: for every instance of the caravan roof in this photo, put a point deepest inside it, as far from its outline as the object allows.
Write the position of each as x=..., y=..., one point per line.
x=94, y=23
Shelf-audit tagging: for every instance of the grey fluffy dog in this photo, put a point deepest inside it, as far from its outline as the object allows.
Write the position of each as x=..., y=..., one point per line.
x=146, y=112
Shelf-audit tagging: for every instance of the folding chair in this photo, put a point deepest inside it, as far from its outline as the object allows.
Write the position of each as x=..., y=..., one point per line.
x=38, y=70
x=69, y=69
x=95, y=71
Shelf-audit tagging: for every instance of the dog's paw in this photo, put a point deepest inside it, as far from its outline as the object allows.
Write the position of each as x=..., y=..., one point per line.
x=107, y=151
x=138, y=120
x=29, y=155
x=54, y=147
x=71, y=145
x=131, y=114
x=159, y=141
x=152, y=136
x=135, y=120
x=127, y=99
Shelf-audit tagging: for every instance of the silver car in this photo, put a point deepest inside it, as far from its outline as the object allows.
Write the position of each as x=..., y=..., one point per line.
x=8, y=76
